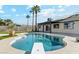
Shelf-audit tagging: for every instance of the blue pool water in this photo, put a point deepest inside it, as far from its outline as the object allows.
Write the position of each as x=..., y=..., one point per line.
x=49, y=42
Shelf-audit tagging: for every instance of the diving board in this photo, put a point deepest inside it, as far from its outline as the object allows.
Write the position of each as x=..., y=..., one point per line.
x=38, y=48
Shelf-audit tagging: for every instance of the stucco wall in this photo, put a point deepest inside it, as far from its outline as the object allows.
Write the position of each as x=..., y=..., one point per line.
x=17, y=28
x=62, y=30
x=59, y=29
x=41, y=28
x=3, y=28
x=45, y=27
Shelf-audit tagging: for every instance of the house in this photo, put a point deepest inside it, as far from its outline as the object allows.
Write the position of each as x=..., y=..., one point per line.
x=67, y=25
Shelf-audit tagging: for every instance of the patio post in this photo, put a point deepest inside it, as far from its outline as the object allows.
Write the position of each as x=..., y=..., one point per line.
x=43, y=28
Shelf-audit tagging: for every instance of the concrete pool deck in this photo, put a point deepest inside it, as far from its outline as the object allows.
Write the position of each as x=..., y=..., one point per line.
x=72, y=46
x=3, y=34
x=5, y=47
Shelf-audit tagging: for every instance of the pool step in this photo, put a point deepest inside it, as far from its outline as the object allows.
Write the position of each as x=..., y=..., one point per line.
x=38, y=48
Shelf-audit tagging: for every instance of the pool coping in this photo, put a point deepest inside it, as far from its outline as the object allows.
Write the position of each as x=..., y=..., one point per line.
x=72, y=46
x=67, y=49
x=6, y=48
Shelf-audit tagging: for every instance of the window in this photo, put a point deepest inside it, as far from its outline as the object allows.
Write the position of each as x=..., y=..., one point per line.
x=56, y=26
x=69, y=25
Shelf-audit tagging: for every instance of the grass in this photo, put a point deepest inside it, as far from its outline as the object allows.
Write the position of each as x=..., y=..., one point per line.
x=7, y=32
x=4, y=37
x=3, y=32
x=7, y=36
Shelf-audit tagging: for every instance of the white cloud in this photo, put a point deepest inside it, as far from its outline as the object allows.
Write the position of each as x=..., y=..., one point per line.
x=1, y=6
x=24, y=14
x=6, y=15
x=1, y=11
x=60, y=6
x=61, y=10
x=47, y=12
x=17, y=15
x=67, y=5
x=29, y=6
x=13, y=9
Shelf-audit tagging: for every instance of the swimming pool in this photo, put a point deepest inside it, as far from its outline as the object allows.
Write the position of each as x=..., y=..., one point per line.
x=50, y=43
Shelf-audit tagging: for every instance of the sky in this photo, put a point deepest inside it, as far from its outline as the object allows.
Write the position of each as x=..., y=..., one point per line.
x=17, y=13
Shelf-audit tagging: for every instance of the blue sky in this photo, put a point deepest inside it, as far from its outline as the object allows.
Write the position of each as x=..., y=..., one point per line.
x=18, y=13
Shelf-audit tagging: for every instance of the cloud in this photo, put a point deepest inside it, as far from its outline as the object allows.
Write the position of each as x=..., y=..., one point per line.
x=47, y=12
x=51, y=12
x=1, y=6
x=6, y=15
x=29, y=6
x=67, y=5
x=61, y=10
x=63, y=6
x=13, y=9
x=1, y=11
x=24, y=14
x=60, y=6
x=17, y=15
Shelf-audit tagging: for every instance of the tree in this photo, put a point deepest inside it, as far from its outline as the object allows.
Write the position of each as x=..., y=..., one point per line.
x=11, y=29
x=32, y=11
x=2, y=22
x=8, y=21
x=35, y=9
x=9, y=24
x=27, y=20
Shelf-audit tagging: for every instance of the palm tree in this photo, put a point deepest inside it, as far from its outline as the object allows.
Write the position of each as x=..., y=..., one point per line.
x=27, y=20
x=35, y=10
x=32, y=11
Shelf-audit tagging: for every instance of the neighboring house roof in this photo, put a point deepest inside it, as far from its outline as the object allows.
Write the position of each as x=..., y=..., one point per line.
x=62, y=20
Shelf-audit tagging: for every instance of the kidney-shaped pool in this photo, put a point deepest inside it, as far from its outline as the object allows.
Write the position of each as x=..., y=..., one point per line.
x=50, y=43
